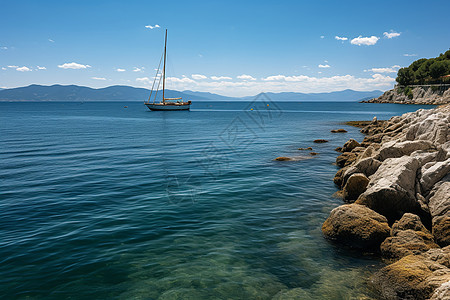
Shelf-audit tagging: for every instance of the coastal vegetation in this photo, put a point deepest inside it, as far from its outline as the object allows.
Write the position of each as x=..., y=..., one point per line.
x=425, y=71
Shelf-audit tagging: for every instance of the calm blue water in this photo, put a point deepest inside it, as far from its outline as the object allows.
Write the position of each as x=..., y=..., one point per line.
x=98, y=201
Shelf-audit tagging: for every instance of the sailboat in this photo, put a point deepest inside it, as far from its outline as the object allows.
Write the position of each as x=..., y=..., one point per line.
x=165, y=103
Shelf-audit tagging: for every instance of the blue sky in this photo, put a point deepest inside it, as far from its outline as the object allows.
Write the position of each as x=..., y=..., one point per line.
x=236, y=48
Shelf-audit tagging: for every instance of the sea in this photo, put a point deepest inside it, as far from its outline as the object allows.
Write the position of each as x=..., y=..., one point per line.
x=108, y=200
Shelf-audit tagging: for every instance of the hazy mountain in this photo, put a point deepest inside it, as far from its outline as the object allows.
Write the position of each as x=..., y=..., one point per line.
x=209, y=96
x=80, y=93
x=127, y=93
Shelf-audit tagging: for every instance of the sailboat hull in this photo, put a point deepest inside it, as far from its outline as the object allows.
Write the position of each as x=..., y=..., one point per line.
x=160, y=106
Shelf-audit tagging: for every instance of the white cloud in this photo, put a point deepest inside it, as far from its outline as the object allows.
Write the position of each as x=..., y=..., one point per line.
x=99, y=78
x=145, y=80
x=51, y=41
x=283, y=83
x=322, y=37
x=152, y=27
x=392, y=69
x=184, y=79
x=341, y=38
x=368, y=41
x=3, y=68
x=120, y=70
x=13, y=67
x=246, y=77
x=73, y=65
x=323, y=66
x=221, y=78
x=136, y=69
x=41, y=68
x=4, y=48
x=198, y=76
x=409, y=54
x=391, y=34
x=23, y=69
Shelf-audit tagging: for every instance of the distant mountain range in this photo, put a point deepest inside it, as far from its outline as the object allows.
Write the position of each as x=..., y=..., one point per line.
x=127, y=93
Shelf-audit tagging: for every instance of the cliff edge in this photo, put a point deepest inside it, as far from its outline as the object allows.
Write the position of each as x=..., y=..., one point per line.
x=425, y=94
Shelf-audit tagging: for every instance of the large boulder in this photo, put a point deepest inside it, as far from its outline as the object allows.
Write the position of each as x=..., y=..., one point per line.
x=441, y=229
x=371, y=151
x=408, y=236
x=355, y=186
x=414, y=276
x=356, y=226
x=338, y=177
x=439, y=205
x=407, y=242
x=399, y=149
x=350, y=145
x=368, y=166
x=346, y=159
x=442, y=292
x=408, y=221
x=391, y=190
x=433, y=172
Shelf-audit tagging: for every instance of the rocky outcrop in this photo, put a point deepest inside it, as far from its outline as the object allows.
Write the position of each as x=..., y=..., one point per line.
x=408, y=236
x=414, y=276
x=356, y=226
x=418, y=95
x=400, y=173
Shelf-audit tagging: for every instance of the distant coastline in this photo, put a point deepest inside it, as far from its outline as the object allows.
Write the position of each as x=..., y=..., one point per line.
x=128, y=93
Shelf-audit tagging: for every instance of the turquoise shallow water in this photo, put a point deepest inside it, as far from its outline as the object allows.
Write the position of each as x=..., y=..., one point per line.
x=98, y=201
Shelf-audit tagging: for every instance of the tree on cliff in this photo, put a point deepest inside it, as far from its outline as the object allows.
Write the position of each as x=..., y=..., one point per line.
x=438, y=69
x=405, y=76
x=425, y=71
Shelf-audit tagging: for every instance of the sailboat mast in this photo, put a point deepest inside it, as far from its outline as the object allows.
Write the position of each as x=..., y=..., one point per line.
x=164, y=68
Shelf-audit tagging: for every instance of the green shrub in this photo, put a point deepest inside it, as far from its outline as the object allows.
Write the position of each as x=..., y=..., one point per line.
x=408, y=92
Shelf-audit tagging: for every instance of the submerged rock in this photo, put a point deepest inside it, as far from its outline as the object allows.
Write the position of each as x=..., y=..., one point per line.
x=356, y=226
x=319, y=141
x=309, y=148
x=339, y=131
x=283, y=158
x=292, y=294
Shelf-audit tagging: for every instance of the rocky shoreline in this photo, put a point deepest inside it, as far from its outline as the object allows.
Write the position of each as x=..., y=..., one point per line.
x=424, y=95
x=396, y=189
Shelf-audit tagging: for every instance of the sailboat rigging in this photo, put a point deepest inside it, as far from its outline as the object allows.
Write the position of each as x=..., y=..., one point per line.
x=165, y=103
